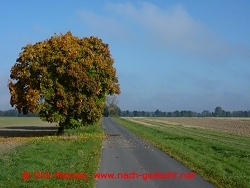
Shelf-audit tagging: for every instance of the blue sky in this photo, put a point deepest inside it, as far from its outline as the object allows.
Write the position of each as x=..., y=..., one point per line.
x=169, y=55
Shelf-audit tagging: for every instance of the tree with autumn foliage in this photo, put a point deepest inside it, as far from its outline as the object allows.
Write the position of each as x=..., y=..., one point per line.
x=65, y=79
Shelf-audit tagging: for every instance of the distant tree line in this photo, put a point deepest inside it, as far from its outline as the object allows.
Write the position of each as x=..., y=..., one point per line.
x=218, y=112
x=14, y=113
x=112, y=109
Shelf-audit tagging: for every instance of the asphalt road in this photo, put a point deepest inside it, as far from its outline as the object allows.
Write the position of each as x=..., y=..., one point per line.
x=131, y=160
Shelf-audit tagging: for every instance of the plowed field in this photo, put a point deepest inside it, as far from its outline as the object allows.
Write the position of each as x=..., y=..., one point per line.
x=240, y=126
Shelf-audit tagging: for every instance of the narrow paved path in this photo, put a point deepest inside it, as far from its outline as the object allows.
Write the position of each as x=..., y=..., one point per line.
x=135, y=160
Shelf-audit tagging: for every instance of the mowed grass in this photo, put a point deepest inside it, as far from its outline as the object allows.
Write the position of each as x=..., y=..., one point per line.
x=20, y=121
x=76, y=152
x=221, y=158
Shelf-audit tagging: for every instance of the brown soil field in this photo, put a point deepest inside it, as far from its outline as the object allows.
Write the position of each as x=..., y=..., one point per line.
x=240, y=126
x=17, y=131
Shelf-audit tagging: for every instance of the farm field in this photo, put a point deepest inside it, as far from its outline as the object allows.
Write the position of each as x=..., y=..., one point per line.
x=240, y=126
x=216, y=148
x=31, y=145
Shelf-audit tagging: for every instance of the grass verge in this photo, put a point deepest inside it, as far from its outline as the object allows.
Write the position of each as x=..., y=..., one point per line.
x=75, y=154
x=221, y=158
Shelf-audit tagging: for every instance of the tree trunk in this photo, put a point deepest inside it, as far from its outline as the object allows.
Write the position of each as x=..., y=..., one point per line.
x=60, y=130
x=62, y=125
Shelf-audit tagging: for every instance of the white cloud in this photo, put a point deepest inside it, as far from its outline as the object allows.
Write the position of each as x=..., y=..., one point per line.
x=175, y=29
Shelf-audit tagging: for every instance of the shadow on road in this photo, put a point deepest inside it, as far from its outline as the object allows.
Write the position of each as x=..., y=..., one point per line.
x=27, y=131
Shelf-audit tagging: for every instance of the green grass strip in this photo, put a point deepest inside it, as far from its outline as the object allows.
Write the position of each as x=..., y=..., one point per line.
x=77, y=152
x=212, y=154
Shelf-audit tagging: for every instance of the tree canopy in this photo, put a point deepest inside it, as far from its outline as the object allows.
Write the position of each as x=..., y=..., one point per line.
x=65, y=79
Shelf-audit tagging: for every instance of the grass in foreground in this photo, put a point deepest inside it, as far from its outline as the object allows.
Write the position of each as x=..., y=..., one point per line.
x=78, y=151
x=221, y=158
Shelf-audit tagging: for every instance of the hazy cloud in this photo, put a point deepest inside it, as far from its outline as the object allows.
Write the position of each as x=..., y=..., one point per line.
x=174, y=28
x=104, y=25
x=180, y=101
x=4, y=93
x=169, y=29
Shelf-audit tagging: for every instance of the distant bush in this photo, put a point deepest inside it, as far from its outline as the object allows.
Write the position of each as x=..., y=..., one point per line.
x=14, y=113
